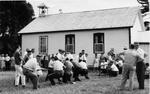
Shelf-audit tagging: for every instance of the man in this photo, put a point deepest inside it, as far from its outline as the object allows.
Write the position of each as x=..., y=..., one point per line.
x=140, y=66
x=58, y=73
x=83, y=56
x=18, y=68
x=130, y=59
x=60, y=55
x=31, y=68
x=27, y=56
x=67, y=71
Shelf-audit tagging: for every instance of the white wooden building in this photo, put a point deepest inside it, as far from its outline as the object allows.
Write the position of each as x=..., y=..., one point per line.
x=94, y=31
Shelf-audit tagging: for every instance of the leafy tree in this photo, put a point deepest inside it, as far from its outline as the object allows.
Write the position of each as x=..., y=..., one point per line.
x=14, y=15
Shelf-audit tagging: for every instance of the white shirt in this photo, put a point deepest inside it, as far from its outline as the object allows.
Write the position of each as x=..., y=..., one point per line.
x=114, y=67
x=120, y=62
x=7, y=58
x=51, y=63
x=31, y=64
x=83, y=65
x=69, y=56
x=58, y=65
x=60, y=56
x=83, y=57
x=141, y=52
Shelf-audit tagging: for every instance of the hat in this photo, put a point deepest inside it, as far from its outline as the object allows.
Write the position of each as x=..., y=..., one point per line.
x=38, y=55
x=29, y=50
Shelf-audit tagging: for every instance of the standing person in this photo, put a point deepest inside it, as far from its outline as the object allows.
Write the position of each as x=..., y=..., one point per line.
x=129, y=66
x=18, y=68
x=102, y=61
x=96, y=62
x=112, y=53
x=140, y=66
x=2, y=62
x=7, y=62
x=60, y=55
x=30, y=70
x=83, y=56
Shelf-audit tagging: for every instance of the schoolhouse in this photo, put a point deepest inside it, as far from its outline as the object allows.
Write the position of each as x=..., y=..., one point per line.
x=94, y=31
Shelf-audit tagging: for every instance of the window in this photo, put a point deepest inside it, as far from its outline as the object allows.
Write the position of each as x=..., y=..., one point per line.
x=98, y=44
x=70, y=43
x=43, y=44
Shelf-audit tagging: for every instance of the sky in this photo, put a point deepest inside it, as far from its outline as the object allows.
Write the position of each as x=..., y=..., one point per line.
x=80, y=5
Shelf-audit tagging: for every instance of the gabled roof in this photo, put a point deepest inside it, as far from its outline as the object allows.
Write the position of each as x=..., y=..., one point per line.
x=97, y=19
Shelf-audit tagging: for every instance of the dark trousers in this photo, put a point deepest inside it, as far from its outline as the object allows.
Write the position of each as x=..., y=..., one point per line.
x=32, y=77
x=140, y=71
x=56, y=75
x=7, y=65
x=112, y=73
x=84, y=72
x=50, y=71
x=67, y=77
x=76, y=72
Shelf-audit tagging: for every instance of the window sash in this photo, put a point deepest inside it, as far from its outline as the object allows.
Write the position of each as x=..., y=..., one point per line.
x=98, y=43
x=70, y=43
x=43, y=46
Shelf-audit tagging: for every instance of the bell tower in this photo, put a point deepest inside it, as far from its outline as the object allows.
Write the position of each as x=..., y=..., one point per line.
x=43, y=10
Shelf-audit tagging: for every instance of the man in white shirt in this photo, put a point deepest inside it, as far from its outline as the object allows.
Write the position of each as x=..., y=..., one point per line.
x=84, y=68
x=60, y=55
x=58, y=67
x=140, y=66
x=31, y=68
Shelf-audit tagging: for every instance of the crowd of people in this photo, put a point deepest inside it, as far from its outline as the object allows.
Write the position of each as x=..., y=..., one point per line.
x=61, y=66
x=6, y=62
x=67, y=68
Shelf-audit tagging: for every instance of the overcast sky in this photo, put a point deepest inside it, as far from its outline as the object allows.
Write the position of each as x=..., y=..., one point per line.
x=81, y=5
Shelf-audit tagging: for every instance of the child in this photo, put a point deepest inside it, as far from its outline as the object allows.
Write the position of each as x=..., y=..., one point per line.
x=112, y=69
x=96, y=62
x=102, y=64
x=119, y=64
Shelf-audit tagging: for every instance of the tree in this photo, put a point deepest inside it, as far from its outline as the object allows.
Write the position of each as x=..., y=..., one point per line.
x=145, y=5
x=14, y=15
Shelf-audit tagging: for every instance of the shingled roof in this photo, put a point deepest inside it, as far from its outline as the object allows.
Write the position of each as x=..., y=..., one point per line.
x=96, y=19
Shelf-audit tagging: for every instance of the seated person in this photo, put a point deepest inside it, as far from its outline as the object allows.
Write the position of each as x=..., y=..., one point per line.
x=58, y=71
x=103, y=67
x=112, y=69
x=84, y=68
x=67, y=71
x=119, y=64
x=147, y=71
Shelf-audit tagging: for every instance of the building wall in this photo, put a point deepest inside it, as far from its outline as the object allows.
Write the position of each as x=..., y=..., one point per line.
x=114, y=38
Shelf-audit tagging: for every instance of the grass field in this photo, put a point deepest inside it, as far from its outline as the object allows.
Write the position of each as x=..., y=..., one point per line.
x=96, y=85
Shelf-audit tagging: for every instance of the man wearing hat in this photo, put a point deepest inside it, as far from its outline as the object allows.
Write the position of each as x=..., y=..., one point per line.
x=31, y=68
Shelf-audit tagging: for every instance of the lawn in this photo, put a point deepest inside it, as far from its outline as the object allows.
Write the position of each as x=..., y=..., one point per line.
x=96, y=85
